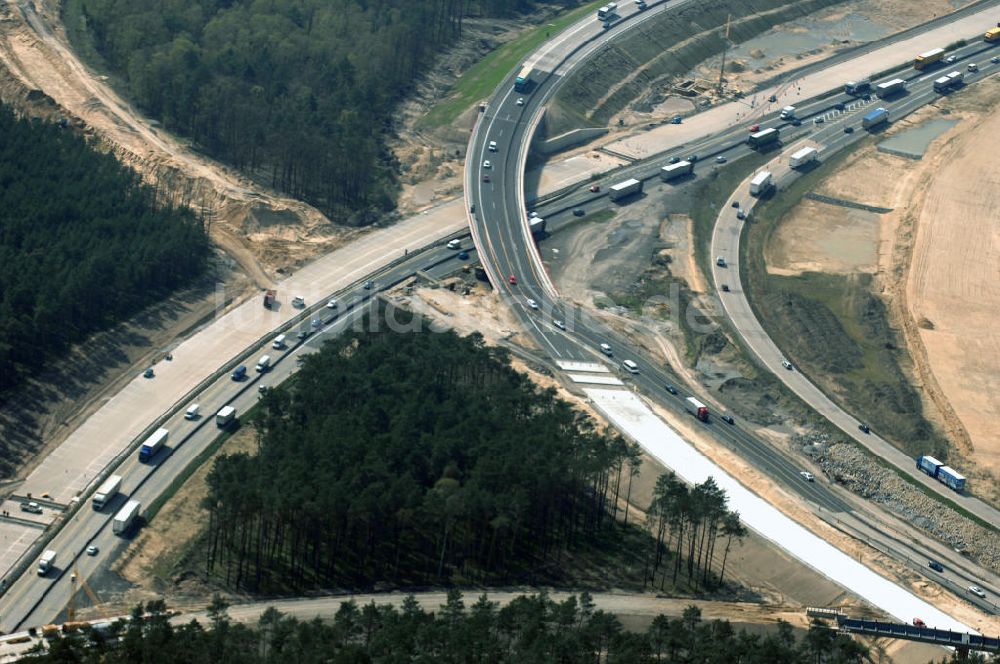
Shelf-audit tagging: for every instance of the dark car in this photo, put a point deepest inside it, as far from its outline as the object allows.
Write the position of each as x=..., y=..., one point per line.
x=935, y=565
x=594, y=188
x=839, y=106
x=463, y=255
x=864, y=428
x=692, y=158
x=674, y=160
x=848, y=130
x=725, y=288
x=796, y=123
x=736, y=204
x=578, y=212
x=676, y=119
x=670, y=388
x=819, y=120
x=728, y=419
x=368, y=284
x=486, y=177
x=772, y=99
x=741, y=214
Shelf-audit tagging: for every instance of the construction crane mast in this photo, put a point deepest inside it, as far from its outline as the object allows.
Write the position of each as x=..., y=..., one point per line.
x=725, y=49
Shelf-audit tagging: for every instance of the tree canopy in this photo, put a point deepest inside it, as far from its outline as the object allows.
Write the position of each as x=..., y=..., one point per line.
x=83, y=244
x=298, y=93
x=528, y=630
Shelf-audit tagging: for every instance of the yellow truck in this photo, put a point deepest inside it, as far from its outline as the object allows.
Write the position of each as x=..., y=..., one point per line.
x=992, y=35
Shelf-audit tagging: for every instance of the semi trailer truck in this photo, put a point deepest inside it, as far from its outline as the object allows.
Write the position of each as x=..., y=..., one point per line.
x=126, y=517
x=153, y=445
x=696, y=408
x=623, y=189
x=108, y=490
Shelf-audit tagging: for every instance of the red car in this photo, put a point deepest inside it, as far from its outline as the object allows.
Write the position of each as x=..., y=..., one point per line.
x=754, y=128
x=595, y=188
x=512, y=279
x=917, y=622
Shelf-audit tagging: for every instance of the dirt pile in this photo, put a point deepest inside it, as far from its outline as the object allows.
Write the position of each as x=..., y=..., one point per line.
x=848, y=465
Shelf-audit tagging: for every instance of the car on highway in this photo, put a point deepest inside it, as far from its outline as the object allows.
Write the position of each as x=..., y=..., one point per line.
x=848, y=130
x=725, y=288
x=806, y=475
x=316, y=323
x=819, y=120
x=736, y=204
x=977, y=591
x=263, y=388
x=754, y=128
x=531, y=303
x=240, y=372
x=594, y=188
x=472, y=208
x=951, y=59
x=785, y=363
x=148, y=373
x=512, y=280
x=487, y=164
x=729, y=419
x=720, y=159
x=332, y=304
x=606, y=349
x=493, y=146
x=917, y=622
x=454, y=244
x=676, y=119
x=772, y=99
x=973, y=67
x=995, y=59
x=796, y=123
x=92, y=550
x=463, y=255
x=740, y=214
x=578, y=212
x=486, y=177
x=839, y=106
x=864, y=428
x=675, y=160
x=670, y=388
x=558, y=323
x=520, y=101
x=936, y=566
x=302, y=334
x=692, y=158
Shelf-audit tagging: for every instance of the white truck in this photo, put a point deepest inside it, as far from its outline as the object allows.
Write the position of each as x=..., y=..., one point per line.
x=672, y=171
x=802, y=157
x=46, y=562
x=788, y=113
x=760, y=183
x=126, y=517
x=623, y=189
x=108, y=490
x=264, y=363
x=225, y=416
x=889, y=88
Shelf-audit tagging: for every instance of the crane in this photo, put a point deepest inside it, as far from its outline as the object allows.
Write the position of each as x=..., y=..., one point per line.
x=725, y=48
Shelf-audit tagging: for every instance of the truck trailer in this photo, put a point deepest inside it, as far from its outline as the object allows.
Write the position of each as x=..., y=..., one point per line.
x=523, y=81
x=671, y=171
x=763, y=137
x=760, y=183
x=787, y=113
x=153, y=445
x=696, y=408
x=108, y=490
x=929, y=465
x=46, y=562
x=951, y=478
x=889, y=88
x=875, y=118
x=225, y=416
x=925, y=60
x=942, y=84
x=537, y=227
x=126, y=517
x=992, y=35
x=802, y=157
x=623, y=189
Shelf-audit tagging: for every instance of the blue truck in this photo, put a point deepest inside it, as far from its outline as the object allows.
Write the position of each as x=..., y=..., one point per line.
x=240, y=373
x=152, y=445
x=942, y=473
x=875, y=118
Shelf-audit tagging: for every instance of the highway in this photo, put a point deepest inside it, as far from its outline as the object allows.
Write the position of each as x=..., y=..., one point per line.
x=34, y=600
x=498, y=218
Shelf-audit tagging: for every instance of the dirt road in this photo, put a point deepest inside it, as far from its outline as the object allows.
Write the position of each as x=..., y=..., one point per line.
x=41, y=75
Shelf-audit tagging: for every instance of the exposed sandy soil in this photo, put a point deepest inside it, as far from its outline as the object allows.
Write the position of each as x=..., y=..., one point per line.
x=952, y=291
x=944, y=220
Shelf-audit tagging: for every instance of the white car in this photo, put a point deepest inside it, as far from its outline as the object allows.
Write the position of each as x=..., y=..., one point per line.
x=532, y=303
x=455, y=244
x=806, y=475
x=332, y=304
x=606, y=349
x=785, y=363
x=92, y=550
x=977, y=591
x=950, y=59
x=487, y=164
x=558, y=323
x=493, y=146
x=520, y=101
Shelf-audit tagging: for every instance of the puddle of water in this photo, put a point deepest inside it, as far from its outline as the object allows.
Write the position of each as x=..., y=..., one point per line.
x=807, y=34
x=913, y=142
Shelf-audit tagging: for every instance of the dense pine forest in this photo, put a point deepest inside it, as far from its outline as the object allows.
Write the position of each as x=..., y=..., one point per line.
x=298, y=93
x=422, y=458
x=83, y=244
x=529, y=630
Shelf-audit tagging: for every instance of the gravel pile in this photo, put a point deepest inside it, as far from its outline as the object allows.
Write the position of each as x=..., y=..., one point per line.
x=855, y=469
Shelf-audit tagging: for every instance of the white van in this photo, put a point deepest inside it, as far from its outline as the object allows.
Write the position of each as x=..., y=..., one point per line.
x=455, y=244
x=279, y=342
x=264, y=363
x=192, y=412
x=630, y=366
x=298, y=302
